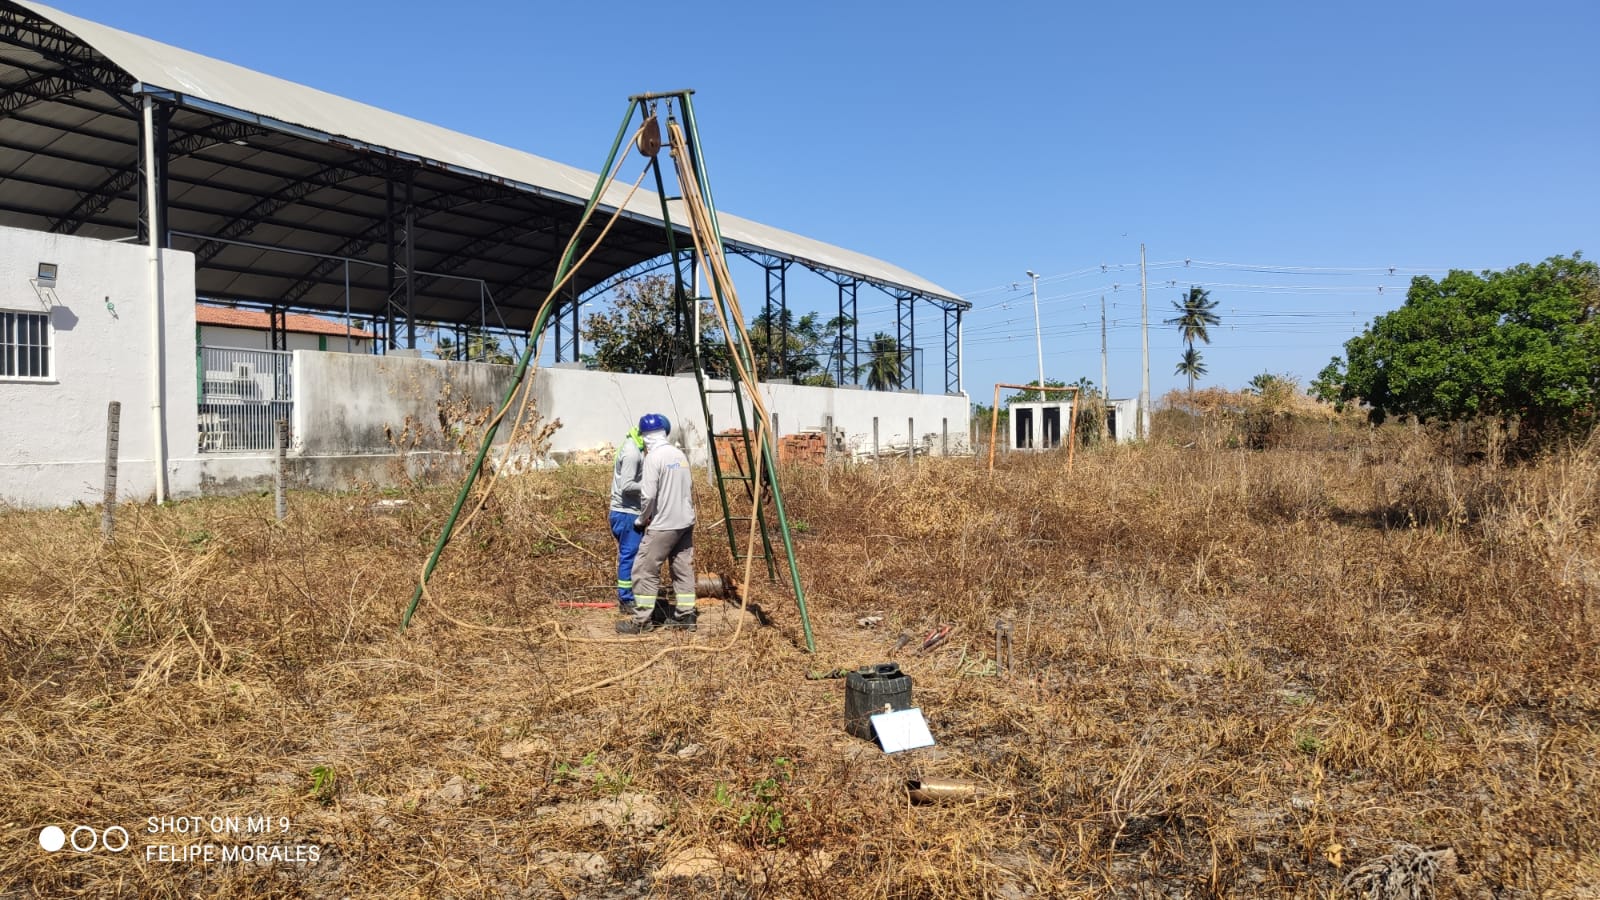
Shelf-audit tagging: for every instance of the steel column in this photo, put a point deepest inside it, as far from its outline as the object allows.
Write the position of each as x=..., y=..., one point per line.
x=952, y=349
x=411, y=261
x=388, y=261
x=279, y=333
x=577, y=337
x=777, y=289
x=905, y=335
x=557, y=317
x=847, y=319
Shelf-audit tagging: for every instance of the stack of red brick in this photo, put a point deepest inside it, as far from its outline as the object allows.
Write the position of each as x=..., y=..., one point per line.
x=730, y=450
x=810, y=448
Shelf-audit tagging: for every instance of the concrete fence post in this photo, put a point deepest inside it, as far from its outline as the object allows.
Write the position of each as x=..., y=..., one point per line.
x=911, y=439
x=277, y=469
x=108, y=503
x=875, y=457
x=944, y=437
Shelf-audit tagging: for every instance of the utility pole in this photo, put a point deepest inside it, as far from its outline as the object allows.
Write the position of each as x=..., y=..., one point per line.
x=1038, y=339
x=1105, y=385
x=1144, y=337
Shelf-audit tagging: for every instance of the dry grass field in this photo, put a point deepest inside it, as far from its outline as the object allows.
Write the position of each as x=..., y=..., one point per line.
x=1237, y=674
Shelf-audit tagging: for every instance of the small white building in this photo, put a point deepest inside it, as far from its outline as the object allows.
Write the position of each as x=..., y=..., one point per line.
x=1042, y=426
x=251, y=329
x=1039, y=426
x=1122, y=420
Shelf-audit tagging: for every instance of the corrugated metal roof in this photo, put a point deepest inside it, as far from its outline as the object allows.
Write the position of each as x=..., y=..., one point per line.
x=260, y=321
x=224, y=84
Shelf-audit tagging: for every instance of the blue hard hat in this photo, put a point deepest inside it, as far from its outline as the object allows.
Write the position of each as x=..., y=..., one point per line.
x=654, y=422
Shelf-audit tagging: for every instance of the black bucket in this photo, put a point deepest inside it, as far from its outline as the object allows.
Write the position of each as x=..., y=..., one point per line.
x=868, y=691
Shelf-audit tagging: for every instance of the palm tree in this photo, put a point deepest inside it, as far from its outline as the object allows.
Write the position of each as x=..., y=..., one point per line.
x=883, y=367
x=1189, y=364
x=1194, y=317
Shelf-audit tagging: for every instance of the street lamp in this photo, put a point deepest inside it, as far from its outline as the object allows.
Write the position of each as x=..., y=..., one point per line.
x=1038, y=340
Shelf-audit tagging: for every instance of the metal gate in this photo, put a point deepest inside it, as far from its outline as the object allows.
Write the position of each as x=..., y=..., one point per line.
x=243, y=393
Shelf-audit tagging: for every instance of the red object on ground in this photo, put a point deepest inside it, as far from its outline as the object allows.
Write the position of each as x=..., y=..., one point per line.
x=935, y=638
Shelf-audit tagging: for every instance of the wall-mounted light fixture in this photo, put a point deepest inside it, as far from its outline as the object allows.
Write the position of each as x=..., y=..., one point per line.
x=47, y=274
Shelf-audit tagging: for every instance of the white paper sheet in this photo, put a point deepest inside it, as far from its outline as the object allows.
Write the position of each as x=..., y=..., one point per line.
x=903, y=729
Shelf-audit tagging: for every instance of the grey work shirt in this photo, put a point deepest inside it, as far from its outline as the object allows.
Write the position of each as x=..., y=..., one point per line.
x=626, y=473
x=667, y=491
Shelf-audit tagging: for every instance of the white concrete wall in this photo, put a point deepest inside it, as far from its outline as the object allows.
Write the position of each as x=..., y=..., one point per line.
x=52, y=452
x=350, y=405
x=252, y=339
x=596, y=408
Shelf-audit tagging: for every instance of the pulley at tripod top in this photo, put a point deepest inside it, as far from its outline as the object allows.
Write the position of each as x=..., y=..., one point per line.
x=650, y=136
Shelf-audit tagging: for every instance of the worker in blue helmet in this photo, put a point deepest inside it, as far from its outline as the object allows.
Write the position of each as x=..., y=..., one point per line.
x=627, y=472
x=666, y=502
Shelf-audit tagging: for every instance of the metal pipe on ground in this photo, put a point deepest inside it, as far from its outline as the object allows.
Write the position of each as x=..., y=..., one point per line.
x=939, y=790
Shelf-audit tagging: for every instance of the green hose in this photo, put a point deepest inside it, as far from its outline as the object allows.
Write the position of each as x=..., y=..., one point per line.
x=517, y=377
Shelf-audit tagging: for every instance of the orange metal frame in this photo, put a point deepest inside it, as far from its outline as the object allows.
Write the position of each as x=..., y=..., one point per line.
x=1072, y=420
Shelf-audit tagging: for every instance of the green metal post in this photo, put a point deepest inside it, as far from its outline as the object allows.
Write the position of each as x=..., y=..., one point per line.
x=517, y=377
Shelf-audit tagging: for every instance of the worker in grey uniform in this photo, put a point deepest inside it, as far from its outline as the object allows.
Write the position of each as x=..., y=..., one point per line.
x=627, y=469
x=666, y=500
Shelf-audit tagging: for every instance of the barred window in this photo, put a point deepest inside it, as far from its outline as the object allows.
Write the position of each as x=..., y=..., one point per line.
x=24, y=345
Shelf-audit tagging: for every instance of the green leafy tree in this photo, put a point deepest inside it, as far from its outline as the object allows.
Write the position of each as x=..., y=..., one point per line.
x=1520, y=347
x=1266, y=383
x=795, y=349
x=884, y=365
x=1034, y=395
x=1196, y=314
x=478, y=347
x=1093, y=426
x=640, y=332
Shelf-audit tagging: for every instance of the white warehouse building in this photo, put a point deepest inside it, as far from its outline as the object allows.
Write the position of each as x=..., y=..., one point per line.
x=173, y=229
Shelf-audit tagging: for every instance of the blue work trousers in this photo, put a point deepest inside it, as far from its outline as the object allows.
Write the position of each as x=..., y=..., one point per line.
x=628, y=539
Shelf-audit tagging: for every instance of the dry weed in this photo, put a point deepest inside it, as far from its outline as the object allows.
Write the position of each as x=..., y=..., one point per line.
x=1237, y=674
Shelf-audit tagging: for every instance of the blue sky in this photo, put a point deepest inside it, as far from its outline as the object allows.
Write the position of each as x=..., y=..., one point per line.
x=1308, y=147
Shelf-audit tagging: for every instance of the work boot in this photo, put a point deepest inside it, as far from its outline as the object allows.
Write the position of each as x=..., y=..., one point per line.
x=626, y=607
x=636, y=625
x=659, y=614
x=684, y=621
